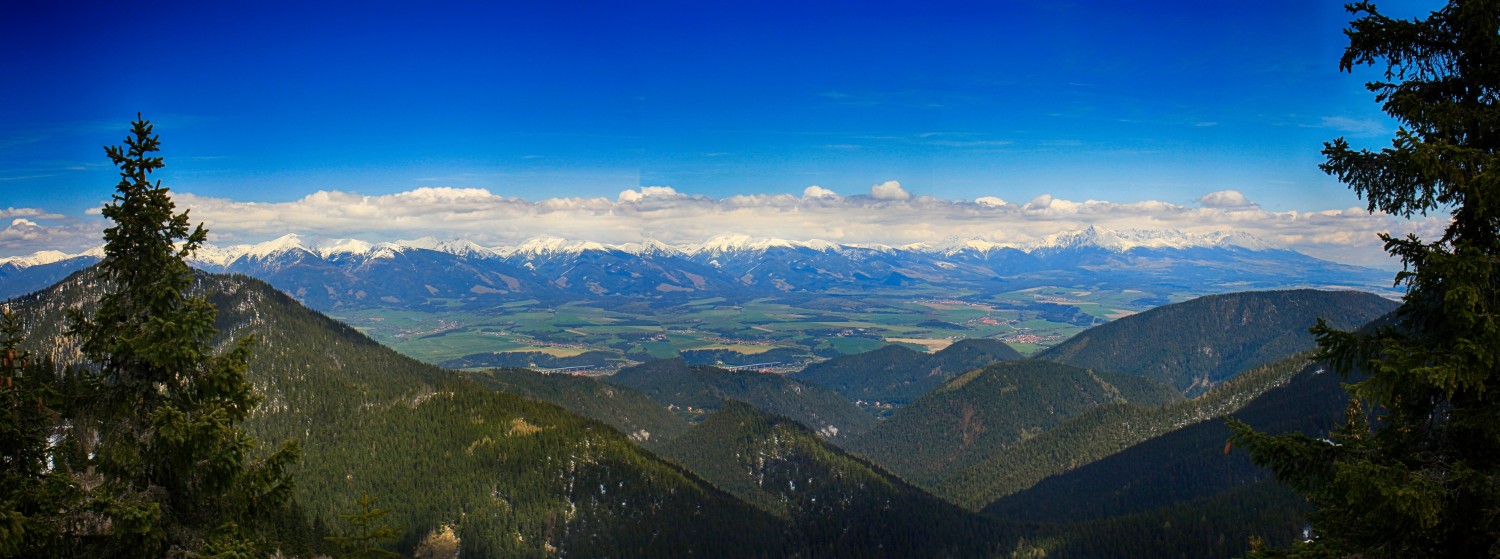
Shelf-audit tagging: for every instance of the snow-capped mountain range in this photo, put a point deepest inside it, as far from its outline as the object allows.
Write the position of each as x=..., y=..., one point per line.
x=339, y=273
x=728, y=243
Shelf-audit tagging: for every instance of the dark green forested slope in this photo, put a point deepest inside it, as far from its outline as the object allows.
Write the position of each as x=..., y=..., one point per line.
x=303, y=361
x=898, y=374
x=975, y=350
x=979, y=414
x=854, y=508
x=1102, y=431
x=1216, y=527
x=671, y=382
x=518, y=478
x=1184, y=474
x=1195, y=344
x=638, y=416
x=674, y=382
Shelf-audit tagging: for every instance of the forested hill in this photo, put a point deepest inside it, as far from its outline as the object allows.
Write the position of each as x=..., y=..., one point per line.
x=517, y=477
x=675, y=383
x=825, y=494
x=628, y=410
x=980, y=413
x=1186, y=492
x=1103, y=431
x=303, y=360
x=898, y=375
x=1195, y=344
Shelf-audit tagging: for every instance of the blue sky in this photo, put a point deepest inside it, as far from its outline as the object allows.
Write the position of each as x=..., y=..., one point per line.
x=266, y=103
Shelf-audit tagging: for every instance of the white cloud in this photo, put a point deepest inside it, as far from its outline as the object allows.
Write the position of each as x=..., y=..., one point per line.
x=1225, y=199
x=1045, y=204
x=1041, y=202
x=27, y=212
x=648, y=192
x=890, y=215
x=24, y=236
x=888, y=190
x=816, y=191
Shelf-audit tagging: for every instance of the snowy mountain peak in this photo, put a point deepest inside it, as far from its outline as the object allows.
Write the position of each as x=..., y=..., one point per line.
x=537, y=246
x=215, y=255
x=285, y=243
x=1241, y=240
x=582, y=246
x=821, y=245
x=954, y=245
x=650, y=247
x=726, y=242
x=38, y=258
x=873, y=247
x=463, y=247
x=548, y=245
x=343, y=246
x=456, y=247
x=735, y=242
x=1091, y=237
x=424, y=243
x=1127, y=239
x=382, y=250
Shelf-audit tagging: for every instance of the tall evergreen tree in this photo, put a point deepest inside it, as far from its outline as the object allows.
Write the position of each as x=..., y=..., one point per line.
x=1423, y=478
x=34, y=497
x=175, y=473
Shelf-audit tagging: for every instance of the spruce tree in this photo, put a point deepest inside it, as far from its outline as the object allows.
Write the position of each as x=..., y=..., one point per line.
x=1415, y=469
x=368, y=535
x=171, y=471
x=34, y=496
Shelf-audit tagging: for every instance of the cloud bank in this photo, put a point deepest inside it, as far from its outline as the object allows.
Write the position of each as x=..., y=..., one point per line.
x=23, y=236
x=889, y=214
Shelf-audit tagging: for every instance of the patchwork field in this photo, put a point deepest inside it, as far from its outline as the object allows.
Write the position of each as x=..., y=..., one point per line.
x=785, y=331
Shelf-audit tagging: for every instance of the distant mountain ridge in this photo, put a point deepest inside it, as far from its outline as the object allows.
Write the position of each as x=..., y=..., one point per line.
x=331, y=274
